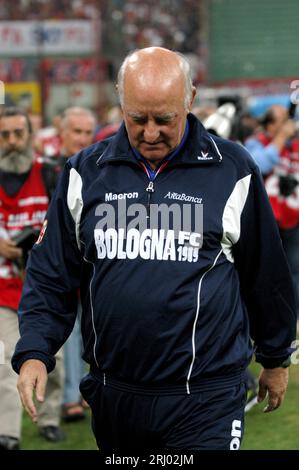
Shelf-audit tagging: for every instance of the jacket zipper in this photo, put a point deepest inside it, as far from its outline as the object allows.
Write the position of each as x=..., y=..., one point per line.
x=150, y=187
x=150, y=190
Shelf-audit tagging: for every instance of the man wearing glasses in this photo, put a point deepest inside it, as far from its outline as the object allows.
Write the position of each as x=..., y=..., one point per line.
x=23, y=205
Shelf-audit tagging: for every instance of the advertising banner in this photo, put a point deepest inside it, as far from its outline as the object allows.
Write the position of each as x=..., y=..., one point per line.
x=50, y=37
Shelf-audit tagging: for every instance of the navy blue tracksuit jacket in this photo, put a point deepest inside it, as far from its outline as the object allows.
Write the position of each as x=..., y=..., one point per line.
x=160, y=306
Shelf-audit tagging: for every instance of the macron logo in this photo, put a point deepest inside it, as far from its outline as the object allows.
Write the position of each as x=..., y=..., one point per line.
x=204, y=156
x=115, y=197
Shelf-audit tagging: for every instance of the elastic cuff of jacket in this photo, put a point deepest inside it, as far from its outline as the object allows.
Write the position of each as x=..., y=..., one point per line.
x=50, y=364
x=271, y=363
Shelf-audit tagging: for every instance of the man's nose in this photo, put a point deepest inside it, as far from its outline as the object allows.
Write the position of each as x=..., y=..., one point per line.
x=12, y=140
x=151, y=132
x=83, y=140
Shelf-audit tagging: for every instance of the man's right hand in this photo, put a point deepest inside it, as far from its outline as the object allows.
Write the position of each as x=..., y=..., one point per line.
x=33, y=378
x=9, y=250
x=285, y=132
x=288, y=128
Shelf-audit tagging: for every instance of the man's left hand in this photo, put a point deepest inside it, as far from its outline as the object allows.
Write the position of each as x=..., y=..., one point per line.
x=274, y=382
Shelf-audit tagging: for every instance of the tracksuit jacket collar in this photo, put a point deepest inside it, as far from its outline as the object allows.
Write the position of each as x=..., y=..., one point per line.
x=199, y=148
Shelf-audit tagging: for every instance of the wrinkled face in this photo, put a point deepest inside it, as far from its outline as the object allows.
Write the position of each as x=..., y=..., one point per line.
x=14, y=135
x=77, y=134
x=154, y=115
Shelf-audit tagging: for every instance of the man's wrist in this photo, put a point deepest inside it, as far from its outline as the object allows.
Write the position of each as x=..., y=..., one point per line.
x=48, y=361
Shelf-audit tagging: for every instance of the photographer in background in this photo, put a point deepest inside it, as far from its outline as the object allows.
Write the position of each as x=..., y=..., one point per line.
x=276, y=151
x=23, y=205
x=272, y=142
x=77, y=128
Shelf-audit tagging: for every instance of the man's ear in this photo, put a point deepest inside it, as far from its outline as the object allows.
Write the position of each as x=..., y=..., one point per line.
x=193, y=96
x=117, y=91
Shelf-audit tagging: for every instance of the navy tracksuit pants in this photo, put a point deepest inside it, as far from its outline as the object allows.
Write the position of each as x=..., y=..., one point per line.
x=130, y=418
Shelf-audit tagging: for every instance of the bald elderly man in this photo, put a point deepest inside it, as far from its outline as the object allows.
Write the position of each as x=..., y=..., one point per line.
x=168, y=233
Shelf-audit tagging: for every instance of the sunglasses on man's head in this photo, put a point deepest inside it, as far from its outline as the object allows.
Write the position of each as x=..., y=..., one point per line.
x=17, y=132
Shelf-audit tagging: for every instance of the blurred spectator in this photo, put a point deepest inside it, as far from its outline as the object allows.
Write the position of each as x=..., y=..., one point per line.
x=269, y=145
x=36, y=120
x=276, y=152
x=244, y=127
x=24, y=202
x=77, y=128
x=47, y=141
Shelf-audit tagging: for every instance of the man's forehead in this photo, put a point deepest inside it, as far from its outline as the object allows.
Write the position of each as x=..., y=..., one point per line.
x=155, y=114
x=81, y=121
x=9, y=121
x=154, y=98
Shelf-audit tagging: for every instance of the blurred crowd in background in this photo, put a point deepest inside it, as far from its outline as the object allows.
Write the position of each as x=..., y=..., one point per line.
x=43, y=9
